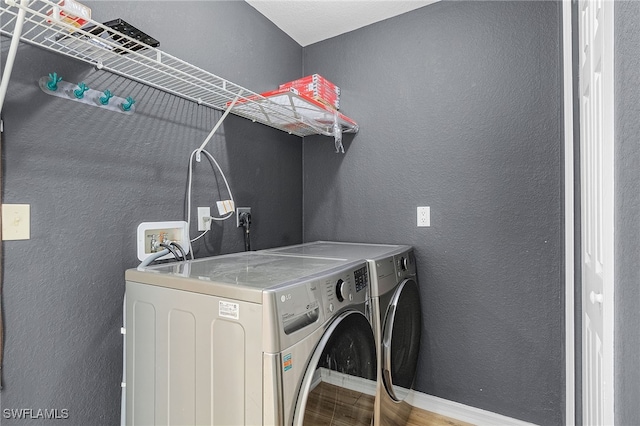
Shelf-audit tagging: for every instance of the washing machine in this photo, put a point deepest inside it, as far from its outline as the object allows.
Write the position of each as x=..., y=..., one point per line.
x=396, y=316
x=250, y=339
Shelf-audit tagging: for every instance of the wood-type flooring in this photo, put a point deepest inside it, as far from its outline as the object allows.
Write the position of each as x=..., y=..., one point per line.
x=330, y=405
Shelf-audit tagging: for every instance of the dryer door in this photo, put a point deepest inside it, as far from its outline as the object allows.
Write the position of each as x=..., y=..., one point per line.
x=401, y=340
x=339, y=384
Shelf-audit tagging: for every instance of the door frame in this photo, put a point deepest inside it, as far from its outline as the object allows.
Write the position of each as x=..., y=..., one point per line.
x=569, y=216
x=572, y=349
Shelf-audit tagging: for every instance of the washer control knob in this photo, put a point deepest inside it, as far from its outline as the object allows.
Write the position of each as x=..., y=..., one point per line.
x=340, y=288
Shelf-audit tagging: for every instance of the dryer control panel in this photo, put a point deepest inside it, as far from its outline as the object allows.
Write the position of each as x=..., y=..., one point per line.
x=405, y=264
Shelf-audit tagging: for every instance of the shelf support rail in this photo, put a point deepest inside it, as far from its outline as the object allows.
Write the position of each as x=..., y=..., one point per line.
x=13, y=50
x=218, y=124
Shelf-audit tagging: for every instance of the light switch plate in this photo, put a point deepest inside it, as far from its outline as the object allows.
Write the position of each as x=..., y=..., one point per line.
x=16, y=222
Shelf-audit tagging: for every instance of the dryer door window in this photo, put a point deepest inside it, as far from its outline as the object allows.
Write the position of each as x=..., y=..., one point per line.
x=401, y=340
x=339, y=385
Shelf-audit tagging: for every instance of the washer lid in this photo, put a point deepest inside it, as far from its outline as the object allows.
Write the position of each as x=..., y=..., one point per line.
x=335, y=249
x=235, y=275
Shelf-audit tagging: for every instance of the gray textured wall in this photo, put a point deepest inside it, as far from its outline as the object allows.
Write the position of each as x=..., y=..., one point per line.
x=627, y=237
x=91, y=176
x=459, y=105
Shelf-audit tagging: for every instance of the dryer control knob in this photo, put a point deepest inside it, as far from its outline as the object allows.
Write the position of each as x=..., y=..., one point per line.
x=340, y=289
x=404, y=263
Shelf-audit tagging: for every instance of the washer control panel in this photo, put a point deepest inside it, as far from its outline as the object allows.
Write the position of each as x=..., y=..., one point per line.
x=361, y=277
x=346, y=289
x=298, y=306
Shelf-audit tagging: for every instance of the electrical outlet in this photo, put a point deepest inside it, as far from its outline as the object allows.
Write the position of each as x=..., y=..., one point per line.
x=204, y=218
x=239, y=211
x=424, y=216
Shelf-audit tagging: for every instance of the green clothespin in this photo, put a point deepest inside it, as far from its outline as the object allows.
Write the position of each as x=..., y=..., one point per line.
x=53, y=81
x=79, y=92
x=126, y=106
x=104, y=100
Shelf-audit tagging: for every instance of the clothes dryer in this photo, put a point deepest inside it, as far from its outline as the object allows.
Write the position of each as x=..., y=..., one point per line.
x=396, y=316
x=248, y=339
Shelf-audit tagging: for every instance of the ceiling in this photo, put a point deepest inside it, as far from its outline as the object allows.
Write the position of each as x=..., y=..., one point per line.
x=311, y=21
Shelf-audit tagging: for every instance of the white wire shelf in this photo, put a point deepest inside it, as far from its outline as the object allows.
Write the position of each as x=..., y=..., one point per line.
x=110, y=50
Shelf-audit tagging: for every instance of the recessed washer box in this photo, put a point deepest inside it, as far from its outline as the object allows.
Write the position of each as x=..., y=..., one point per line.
x=151, y=234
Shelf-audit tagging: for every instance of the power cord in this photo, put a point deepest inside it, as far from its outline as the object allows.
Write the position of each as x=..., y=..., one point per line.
x=245, y=222
x=189, y=184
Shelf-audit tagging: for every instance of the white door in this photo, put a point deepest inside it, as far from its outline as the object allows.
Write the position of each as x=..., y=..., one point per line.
x=597, y=182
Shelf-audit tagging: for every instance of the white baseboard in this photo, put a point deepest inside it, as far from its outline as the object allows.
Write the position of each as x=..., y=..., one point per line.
x=346, y=381
x=459, y=411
